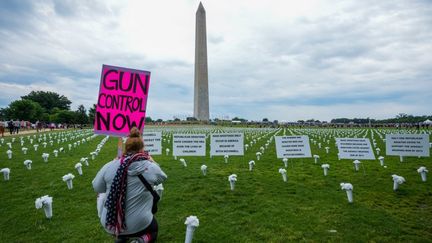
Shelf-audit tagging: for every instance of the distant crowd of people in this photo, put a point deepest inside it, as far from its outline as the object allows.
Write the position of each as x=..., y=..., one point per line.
x=14, y=127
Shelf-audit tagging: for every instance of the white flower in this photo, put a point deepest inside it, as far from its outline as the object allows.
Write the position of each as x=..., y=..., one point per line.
x=422, y=169
x=398, y=179
x=232, y=177
x=192, y=221
x=40, y=202
x=5, y=170
x=346, y=186
x=68, y=177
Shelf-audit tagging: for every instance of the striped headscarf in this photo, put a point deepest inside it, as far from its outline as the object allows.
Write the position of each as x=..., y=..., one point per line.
x=116, y=200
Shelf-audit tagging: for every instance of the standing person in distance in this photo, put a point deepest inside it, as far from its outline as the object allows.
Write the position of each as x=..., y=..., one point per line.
x=11, y=127
x=127, y=211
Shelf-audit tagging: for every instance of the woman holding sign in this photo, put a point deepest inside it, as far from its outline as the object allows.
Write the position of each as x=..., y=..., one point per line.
x=128, y=209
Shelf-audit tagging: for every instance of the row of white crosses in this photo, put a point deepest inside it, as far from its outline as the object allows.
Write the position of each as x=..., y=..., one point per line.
x=398, y=180
x=73, y=135
x=233, y=178
x=28, y=163
x=325, y=167
x=45, y=202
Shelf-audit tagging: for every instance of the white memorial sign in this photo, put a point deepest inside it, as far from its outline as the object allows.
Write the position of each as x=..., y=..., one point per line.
x=226, y=144
x=189, y=144
x=293, y=147
x=355, y=148
x=153, y=142
x=408, y=144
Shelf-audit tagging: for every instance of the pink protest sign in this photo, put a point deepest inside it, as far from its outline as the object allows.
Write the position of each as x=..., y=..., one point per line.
x=122, y=100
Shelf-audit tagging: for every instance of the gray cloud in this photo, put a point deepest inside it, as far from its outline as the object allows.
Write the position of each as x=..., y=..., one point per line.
x=296, y=58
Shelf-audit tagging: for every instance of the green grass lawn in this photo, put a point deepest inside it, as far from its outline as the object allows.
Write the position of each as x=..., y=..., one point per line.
x=262, y=208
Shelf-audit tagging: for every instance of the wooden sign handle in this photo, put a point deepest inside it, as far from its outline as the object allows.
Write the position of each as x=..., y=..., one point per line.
x=120, y=148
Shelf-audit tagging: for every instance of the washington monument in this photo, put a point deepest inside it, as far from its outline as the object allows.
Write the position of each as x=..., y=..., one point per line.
x=201, y=98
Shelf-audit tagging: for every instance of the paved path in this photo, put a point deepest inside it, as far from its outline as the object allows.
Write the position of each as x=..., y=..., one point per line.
x=28, y=132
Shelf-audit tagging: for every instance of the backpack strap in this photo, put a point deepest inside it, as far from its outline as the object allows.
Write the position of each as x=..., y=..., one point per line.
x=146, y=184
x=156, y=196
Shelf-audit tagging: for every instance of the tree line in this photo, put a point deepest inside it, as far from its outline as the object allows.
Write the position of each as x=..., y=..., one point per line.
x=48, y=107
x=400, y=118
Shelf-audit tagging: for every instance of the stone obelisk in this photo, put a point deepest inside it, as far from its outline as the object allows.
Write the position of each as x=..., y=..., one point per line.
x=201, y=97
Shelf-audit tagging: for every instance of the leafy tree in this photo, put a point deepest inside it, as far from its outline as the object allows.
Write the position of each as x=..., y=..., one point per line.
x=265, y=120
x=159, y=120
x=191, y=119
x=4, y=113
x=401, y=115
x=148, y=119
x=239, y=119
x=24, y=110
x=81, y=115
x=92, y=112
x=49, y=100
x=64, y=116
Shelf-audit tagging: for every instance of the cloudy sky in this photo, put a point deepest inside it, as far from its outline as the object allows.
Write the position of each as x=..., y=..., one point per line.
x=284, y=60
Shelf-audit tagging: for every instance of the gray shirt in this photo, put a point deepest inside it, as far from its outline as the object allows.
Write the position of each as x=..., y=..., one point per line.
x=139, y=200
